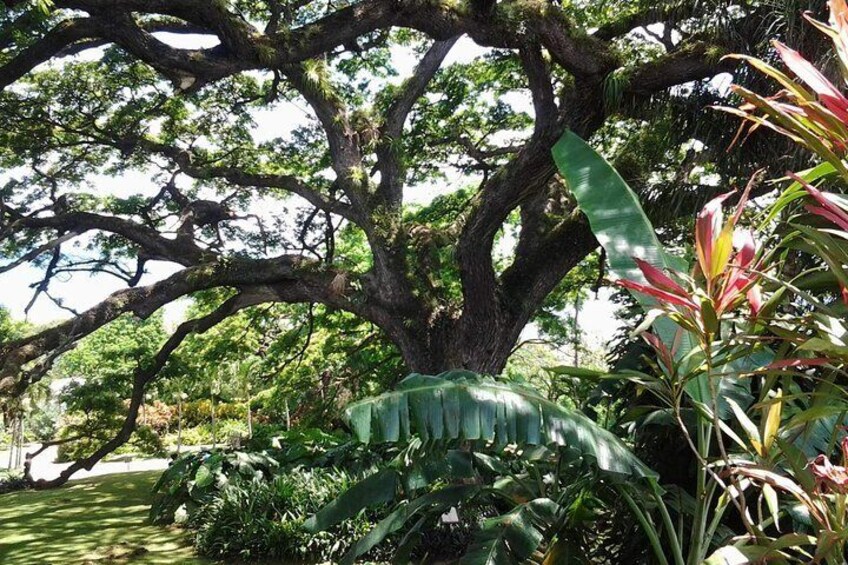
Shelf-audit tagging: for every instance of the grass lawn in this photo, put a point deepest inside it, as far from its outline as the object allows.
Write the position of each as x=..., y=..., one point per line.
x=91, y=521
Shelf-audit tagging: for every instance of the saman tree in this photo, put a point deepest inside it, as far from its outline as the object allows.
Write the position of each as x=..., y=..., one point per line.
x=272, y=128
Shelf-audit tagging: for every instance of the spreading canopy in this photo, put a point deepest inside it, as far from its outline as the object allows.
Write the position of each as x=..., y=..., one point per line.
x=251, y=137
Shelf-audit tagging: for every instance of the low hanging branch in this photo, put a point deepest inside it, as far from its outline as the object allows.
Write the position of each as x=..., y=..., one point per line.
x=142, y=378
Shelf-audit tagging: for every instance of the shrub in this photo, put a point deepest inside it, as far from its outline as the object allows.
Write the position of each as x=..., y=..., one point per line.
x=248, y=506
x=195, y=479
x=263, y=436
x=264, y=519
x=199, y=412
x=202, y=434
x=230, y=430
x=197, y=435
x=158, y=416
x=11, y=481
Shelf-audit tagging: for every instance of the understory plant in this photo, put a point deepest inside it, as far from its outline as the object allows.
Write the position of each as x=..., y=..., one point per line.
x=472, y=442
x=253, y=505
x=252, y=519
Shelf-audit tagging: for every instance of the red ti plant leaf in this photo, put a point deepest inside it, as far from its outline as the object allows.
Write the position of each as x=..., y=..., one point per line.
x=794, y=363
x=712, y=238
x=829, y=477
x=664, y=354
x=826, y=91
x=755, y=299
x=826, y=208
x=663, y=296
x=659, y=279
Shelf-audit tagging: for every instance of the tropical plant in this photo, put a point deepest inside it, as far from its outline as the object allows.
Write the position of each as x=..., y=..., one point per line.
x=696, y=376
x=194, y=479
x=262, y=518
x=788, y=453
x=474, y=441
x=724, y=350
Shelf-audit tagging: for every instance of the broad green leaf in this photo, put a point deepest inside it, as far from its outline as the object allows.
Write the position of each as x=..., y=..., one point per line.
x=204, y=476
x=732, y=555
x=374, y=489
x=469, y=407
x=616, y=219
x=624, y=231
x=438, y=501
x=729, y=386
x=513, y=537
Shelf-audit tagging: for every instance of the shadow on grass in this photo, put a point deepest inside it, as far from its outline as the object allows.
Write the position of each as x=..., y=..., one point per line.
x=97, y=520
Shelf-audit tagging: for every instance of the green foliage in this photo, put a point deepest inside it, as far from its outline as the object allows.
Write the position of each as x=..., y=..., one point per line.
x=11, y=481
x=10, y=329
x=488, y=420
x=309, y=359
x=461, y=405
x=264, y=519
x=199, y=412
x=145, y=442
x=195, y=478
x=243, y=505
x=616, y=217
x=513, y=537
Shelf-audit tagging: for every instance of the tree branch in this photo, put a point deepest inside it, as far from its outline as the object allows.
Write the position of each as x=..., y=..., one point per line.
x=389, y=161
x=294, y=276
x=49, y=46
x=693, y=61
x=525, y=175
x=142, y=378
x=147, y=239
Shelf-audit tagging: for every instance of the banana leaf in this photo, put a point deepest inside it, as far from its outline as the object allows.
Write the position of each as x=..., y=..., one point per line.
x=617, y=220
x=513, y=537
x=460, y=405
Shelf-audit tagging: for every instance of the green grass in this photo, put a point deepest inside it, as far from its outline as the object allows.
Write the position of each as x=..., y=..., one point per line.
x=91, y=521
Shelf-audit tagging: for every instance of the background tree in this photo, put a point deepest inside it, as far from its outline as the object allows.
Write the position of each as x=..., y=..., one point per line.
x=99, y=374
x=174, y=92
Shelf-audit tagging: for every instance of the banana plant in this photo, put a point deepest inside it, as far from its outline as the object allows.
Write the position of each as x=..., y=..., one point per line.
x=473, y=440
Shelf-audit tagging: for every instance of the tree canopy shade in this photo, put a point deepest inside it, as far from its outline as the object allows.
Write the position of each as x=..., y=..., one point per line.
x=174, y=90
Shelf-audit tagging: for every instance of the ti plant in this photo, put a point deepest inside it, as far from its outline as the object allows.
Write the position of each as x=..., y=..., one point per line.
x=798, y=502
x=701, y=358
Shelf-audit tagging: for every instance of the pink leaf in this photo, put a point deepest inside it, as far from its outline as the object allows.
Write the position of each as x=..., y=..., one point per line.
x=661, y=349
x=836, y=214
x=755, y=300
x=828, y=215
x=791, y=363
x=746, y=247
x=661, y=295
x=708, y=226
x=659, y=279
x=829, y=94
